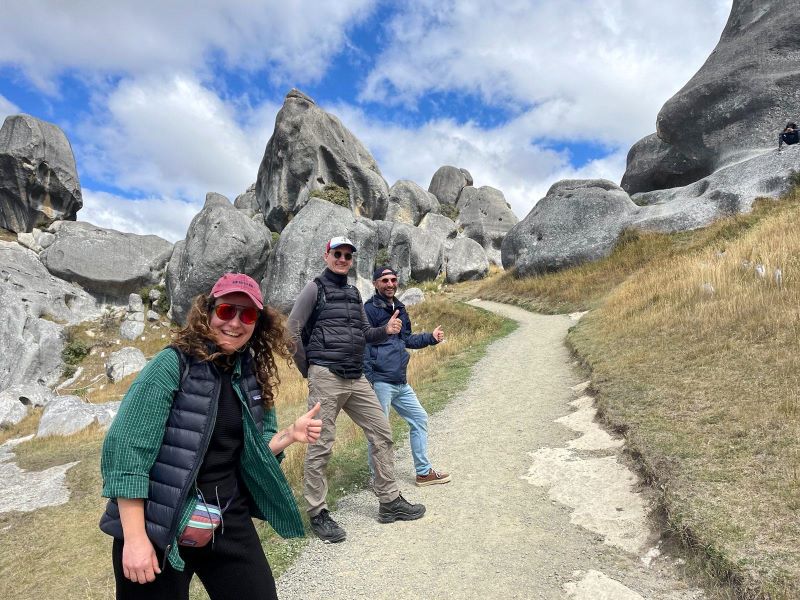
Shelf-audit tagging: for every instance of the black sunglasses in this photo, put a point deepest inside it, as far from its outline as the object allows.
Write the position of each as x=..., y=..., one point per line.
x=346, y=255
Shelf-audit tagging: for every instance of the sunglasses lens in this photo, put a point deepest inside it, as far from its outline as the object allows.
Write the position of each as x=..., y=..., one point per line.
x=225, y=311
x=248, y=316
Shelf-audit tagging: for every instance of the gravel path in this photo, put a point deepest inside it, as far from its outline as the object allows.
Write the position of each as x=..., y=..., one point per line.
x=536, y=509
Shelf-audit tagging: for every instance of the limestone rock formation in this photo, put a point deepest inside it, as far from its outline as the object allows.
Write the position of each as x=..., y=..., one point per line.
x=466, y=261
x=124, y=362
x=725, y=192
x=38, y=179
x=34, y=306
x=310, y=148
x=447, y=183
x=415, y=253
x=66, y=415
x=219, y=239
x=577, y=221
x=106, y=262
x=247, y=201
x=439, y=225
x=17, y=401
x=412, y=296
x=734, y=106
x=485, y=216
x=297, y=257
x=409, y=203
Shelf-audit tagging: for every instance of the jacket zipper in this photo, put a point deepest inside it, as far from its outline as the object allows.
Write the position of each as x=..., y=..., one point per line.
x=173, y=530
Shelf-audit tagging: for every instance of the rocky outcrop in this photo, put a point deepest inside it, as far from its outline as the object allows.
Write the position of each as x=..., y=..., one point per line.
x=466, y=261
x=16, y=402
x=34, y=306
x=735, y=105
x=415, y=253
x=38, y=179
x=66, y=415
x=248, y=202
x=36, y=240
x=447, y=183
x=485, y=216
x=577, y=221
x=297, y=257
x=726, y=192
x=310, y=148
x=412, y=296
x=409, y=203
x=108, y=263
x=439, y=225
x=219, y=239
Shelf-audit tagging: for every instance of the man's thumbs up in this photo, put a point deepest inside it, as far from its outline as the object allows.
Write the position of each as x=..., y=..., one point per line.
x=394, y=325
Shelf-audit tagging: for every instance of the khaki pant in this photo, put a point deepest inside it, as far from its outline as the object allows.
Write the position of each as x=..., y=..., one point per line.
x=358, y=400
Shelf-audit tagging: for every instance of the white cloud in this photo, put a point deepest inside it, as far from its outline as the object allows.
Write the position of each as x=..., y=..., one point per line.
x=172, y=136
x=599, y=68
x=295, y=39
x=168, y=218
x=7, y=107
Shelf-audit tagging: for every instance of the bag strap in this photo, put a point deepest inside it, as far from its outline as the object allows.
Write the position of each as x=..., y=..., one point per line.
x=311, y=322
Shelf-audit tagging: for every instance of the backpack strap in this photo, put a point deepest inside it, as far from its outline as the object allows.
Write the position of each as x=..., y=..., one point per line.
x=308, y=328
x=182, y=362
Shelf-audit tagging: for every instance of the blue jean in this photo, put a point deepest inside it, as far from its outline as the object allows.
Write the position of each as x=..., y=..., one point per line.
x=402, y=397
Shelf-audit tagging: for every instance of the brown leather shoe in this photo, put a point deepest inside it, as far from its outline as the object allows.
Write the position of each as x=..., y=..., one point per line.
x=432, y=478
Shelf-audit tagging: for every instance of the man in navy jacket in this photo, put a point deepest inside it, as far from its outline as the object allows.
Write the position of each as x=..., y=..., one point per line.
x=385, y=368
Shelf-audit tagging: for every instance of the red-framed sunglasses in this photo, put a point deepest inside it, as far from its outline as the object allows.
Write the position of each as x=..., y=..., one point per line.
x=247, y=314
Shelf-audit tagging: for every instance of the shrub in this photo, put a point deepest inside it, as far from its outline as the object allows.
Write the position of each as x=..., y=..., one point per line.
x=75, y=349
x=334, y=194
x=450, y=211
x=276, y=237
x=794, y=178
x=382, y=257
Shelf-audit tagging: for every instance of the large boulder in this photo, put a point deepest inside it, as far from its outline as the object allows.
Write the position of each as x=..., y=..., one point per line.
x=298, y=255
x=441, y=226
x=447, y=183
x=414, y=253
x=466, y=261
x=728, y=191
x=38, y=179
x=108, y=263
x=734, y=106
x=309, y=149
x=577, y=221
x=655, y=165
x=485, y=216
x=247, y=201
x=66, y=415
x=124, y=362
x=34, y=306
x=220, y=239
x=409, y=203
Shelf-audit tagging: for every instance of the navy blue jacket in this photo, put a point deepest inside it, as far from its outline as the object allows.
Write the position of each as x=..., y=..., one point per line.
x=388, y=360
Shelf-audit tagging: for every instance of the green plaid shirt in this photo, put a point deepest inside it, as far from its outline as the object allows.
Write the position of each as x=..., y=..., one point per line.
x=134, y=440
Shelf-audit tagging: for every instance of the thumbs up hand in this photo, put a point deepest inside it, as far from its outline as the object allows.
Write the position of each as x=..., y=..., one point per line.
x=394, y=325
x=307, y=429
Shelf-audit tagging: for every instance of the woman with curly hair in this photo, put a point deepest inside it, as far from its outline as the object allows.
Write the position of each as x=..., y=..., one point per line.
x=193, y=453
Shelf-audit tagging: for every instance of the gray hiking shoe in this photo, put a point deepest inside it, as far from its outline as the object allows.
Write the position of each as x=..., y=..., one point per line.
x=399, y=509
x=326, y=528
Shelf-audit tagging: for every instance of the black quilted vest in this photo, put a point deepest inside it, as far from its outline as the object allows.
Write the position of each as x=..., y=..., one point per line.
x=337, y=341
x=186, y=438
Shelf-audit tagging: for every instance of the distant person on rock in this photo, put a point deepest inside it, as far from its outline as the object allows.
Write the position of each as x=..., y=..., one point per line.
x=193, y=454
x=385, y=366
x=331, y=330
x=789, y=136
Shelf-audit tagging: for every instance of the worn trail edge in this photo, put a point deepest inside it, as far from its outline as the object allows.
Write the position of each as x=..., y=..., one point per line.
x=536, y=509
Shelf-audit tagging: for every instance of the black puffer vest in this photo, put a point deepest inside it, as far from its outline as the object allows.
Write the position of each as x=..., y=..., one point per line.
x=186, y=438
x=337, y=341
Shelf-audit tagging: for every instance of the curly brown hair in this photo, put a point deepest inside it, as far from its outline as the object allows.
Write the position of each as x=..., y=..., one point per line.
x=270, y=338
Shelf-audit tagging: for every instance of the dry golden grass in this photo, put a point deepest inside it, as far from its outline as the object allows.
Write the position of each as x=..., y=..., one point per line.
x=705, y=385
x=59, y=551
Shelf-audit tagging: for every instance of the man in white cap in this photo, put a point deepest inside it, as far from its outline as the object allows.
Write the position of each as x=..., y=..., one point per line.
x=331, y=329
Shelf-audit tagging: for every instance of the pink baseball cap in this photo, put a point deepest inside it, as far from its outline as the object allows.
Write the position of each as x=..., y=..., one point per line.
x=231, y=283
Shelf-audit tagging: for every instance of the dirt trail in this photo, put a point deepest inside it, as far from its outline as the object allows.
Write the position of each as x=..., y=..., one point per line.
x=536, y=509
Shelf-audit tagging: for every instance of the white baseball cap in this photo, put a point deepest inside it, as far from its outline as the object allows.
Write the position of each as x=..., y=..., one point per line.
x=339, y=241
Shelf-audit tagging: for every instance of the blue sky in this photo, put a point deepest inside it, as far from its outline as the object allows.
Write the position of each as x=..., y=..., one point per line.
x=165, y=101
